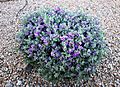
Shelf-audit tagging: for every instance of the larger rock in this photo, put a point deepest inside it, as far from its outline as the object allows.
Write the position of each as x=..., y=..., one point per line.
x=9, y=84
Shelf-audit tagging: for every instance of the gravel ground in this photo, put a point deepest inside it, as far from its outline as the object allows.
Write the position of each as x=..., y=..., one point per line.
x=12, y=67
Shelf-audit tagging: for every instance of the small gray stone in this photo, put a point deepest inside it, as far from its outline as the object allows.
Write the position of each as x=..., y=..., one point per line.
x=2, y=56
x=28, y=68
x=27, y=85
x=19, y=82
x=9, y=84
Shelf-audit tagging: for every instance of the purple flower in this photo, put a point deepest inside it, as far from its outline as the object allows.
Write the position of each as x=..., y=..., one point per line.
x=63, y=38
x=62, y=11
x=54, y=36
x=32, y=46
x=41, y=26
x=40, y=46
x=71, y=44
x=93, y=53
x=67, y=17
x=53, y=53
x=36, y=34
x=88, y=37
x=77, y=34
x=29, y=26
x=79, y=43
x=80, y=47
x=45, y=42
x=58, y=54
x=71, y=35
x=76, y=46
x=61, y=26
x=49, y=13
x=70, y=50
x=42, y=38
x=84, y=22
x=69, y=39
x=57, y=9
x=70, y=58
x=40, y=19
x=54, y=45
x=78, y=65
x=48, y=32
x=55, y=26
x=27, y=33
x=76, y=54
x=34, y=28
x=30, y=50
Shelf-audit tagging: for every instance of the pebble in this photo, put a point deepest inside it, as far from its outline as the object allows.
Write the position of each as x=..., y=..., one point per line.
x=2, y=56
x=19, y=83
x=110, y=65
x=9, y=84
x=118, y=81
x=28, y=68
x=27, y=85
x=5, y=69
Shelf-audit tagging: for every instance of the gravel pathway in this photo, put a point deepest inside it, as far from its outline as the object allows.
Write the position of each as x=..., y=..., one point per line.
x=12, y=67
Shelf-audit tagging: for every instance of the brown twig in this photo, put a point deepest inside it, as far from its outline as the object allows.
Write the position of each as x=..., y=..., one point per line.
x=26, y=3
x=5, y=0
x=17, y=21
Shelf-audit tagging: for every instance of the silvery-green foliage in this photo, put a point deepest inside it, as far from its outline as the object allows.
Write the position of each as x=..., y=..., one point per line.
x=63, y=44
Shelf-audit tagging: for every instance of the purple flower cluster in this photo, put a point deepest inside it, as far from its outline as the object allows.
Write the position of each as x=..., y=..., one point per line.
x=62, y=40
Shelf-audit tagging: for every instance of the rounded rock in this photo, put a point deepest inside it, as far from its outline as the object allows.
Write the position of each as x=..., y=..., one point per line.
x=19, y=82
x=9, y=84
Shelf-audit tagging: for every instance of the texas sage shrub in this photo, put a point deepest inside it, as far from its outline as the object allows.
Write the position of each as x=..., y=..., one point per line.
x=65, y=45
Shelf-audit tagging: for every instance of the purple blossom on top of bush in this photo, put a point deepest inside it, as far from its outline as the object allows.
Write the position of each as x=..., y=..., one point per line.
x=63, y=44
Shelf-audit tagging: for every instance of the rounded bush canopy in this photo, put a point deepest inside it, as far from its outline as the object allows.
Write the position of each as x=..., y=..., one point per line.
x=63, y=44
